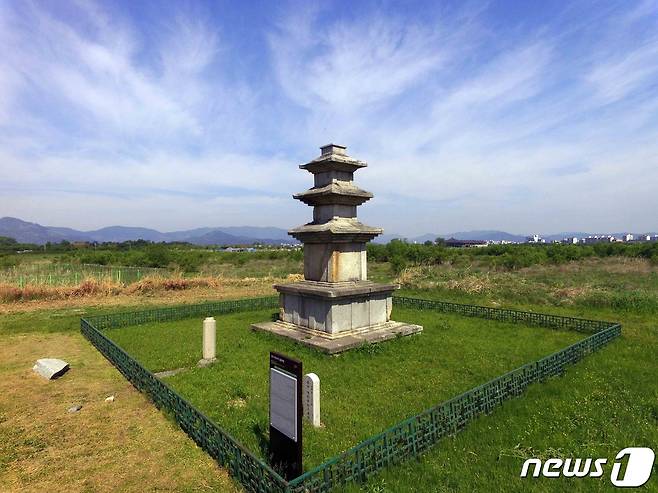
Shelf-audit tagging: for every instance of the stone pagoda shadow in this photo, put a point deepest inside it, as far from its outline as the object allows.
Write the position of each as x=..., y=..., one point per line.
x=335, y=307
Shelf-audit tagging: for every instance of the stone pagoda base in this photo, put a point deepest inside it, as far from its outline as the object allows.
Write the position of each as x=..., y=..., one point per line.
x=335, y=344
x=336, y=316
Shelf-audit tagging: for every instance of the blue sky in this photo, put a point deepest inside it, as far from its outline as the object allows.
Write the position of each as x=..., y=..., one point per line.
x=521, y=116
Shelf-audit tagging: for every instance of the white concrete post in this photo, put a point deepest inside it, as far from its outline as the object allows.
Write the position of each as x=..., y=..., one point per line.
x=311, y=398
x=209, y=338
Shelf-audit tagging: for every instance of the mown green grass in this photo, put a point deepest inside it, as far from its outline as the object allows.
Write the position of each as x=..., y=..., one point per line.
x=364, y=391
x=605, y=403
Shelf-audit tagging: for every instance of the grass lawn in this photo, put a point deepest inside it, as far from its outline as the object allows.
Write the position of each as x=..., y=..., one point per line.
x=364, y=391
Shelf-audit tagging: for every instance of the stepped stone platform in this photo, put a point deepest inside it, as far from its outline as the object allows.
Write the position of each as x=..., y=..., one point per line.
x=337, y=343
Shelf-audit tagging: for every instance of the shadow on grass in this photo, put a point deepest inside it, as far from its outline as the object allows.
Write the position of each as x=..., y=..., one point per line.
x=263, y=439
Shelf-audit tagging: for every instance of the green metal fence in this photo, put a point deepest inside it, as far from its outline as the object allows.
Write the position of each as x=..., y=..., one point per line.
x=253, y=473
x=406, y=440
x=116, y=320
x=506, y=315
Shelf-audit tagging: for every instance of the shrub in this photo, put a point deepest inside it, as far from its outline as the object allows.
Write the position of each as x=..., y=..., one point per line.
x=398, y=264
x=8, y=261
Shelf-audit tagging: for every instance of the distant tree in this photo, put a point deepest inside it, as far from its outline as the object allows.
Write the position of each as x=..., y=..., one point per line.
x=398, y=263
x=440, y=241
x=7, y=241
x=157, y=256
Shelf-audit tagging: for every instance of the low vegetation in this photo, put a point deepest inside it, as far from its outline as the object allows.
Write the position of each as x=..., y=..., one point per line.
x=624, y=284
x=401, y=255
x=192, y=259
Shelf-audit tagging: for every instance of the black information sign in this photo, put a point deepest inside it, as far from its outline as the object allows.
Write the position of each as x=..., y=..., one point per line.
x=285, y=415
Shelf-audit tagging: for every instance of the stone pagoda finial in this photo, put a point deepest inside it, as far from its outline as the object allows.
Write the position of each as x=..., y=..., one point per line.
x=335, y=307
x=333, y=149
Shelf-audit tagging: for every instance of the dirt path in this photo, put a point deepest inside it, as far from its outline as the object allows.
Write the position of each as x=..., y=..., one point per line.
x=126, y=445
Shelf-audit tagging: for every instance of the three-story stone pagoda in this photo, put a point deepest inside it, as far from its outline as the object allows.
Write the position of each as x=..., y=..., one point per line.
x=335, y=307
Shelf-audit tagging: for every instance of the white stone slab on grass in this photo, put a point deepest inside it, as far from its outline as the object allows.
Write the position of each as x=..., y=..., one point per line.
x=50, y=368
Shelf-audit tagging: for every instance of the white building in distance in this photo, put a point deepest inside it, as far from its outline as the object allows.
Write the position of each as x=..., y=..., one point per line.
x=535, y=239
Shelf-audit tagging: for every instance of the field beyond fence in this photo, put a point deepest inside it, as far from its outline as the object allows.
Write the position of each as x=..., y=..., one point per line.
x=55, y=274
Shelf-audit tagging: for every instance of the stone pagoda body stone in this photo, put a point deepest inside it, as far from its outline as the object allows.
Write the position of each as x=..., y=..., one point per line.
x=335, y=307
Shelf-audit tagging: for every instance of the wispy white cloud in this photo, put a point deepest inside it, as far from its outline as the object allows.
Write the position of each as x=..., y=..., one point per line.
x=343, y=65
x=621, y=75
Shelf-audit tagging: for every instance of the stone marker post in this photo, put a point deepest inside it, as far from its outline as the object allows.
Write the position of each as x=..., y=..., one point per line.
x=209, y=338
x=311, y=398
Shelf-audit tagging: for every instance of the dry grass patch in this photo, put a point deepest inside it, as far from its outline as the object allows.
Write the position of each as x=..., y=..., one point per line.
x=570, y=294
x=88, y=287
x=220, y=288
x=148, y=285
x=472, y=284
x=126, y=445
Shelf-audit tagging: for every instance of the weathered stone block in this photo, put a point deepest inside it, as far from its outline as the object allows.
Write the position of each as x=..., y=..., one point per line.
x=51, y=368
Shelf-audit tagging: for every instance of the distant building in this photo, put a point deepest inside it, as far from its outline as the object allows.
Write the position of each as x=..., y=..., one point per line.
x=454, y=243
x=571, y=241
x=237, y=249
x=627, y=237
x=535, y=239
x=591, y=240
x=646, y=238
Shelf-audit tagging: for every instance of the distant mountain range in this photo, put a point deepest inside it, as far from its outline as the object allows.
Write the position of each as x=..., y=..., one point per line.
x=486, y=235
x=462, y=235
x=26, y=232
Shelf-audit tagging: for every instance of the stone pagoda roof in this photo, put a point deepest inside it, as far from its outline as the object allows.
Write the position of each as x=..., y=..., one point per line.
x=333, y=158
x=337, y=192
x=338, y=229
